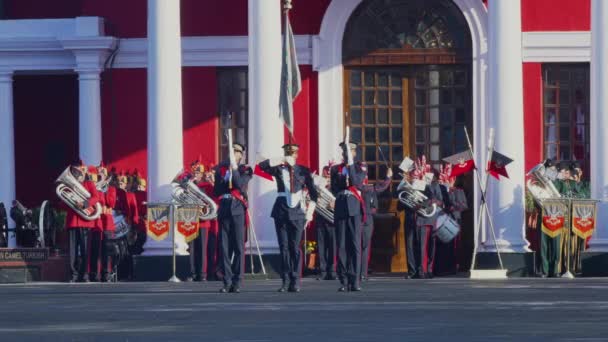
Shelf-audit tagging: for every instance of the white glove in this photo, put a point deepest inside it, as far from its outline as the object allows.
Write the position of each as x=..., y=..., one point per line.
x=234, y=166
x=310, y=212
x=290, y=160
x=276, y=161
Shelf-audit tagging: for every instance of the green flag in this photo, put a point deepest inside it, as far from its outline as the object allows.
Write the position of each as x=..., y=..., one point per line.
x=291, y=84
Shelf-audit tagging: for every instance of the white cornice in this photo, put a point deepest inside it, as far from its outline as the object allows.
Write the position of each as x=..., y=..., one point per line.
x=572, y=46
x=205, y=51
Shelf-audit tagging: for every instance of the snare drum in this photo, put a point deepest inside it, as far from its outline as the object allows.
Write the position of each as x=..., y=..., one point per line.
x=446, y=228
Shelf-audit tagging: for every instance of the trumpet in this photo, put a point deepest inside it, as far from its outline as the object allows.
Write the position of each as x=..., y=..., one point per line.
x=186, y=192
x=72, y=193
x=415, y=199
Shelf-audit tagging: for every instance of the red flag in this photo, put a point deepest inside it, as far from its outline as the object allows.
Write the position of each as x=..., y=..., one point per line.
x=261, y=173
x=461, y=163
x=497, y=165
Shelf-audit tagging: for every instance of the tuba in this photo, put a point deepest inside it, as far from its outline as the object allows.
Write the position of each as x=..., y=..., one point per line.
x=186, y=192
x=72, y=193
x=326, y=200
x=539, y=185
x=415, y=199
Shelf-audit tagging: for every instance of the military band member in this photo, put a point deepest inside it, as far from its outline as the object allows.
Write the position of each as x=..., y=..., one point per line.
x=108, y=261
x=459, y=204
x=370, y=198
x=411, y=248
x=78, y=228
x=289, y=212
x=424, y=235
x=326, y=240
x=550, y=247
x=197, y=248
x=231, y=185
x=96, y=232
x=349, y=215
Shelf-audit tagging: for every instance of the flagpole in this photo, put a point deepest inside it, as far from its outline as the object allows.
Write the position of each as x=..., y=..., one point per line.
x=484, y=204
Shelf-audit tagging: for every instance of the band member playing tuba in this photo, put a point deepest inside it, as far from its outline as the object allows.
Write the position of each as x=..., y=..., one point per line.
x=289, y=212
x=230, y=184
x=78, y=227
x=198, y=247
x=349, y=214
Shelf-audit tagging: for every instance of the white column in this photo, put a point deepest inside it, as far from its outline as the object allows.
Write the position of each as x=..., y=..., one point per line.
x=89, y=117
x=165, y=141
x=7, y=148
x=506, y=198
x=599, y=120
x=265, y=128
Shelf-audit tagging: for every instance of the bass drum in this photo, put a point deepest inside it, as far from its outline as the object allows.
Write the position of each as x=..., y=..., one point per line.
x=446, y=228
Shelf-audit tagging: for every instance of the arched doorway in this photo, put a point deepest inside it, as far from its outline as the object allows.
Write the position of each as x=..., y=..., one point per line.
x=408, y=91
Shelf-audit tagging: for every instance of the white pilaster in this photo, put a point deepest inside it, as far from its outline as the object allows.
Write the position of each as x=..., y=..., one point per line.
x=165, y=141
x=7, y=148
x=506, y=198
x=89, y=116
x=599, y=120
x=265, y=127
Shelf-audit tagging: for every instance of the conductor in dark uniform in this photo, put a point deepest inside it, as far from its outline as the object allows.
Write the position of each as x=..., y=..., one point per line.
x=290, y=212
x=230, y=185
x=349, y=214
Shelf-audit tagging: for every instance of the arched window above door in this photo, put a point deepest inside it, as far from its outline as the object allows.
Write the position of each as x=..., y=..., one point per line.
x=406, y=32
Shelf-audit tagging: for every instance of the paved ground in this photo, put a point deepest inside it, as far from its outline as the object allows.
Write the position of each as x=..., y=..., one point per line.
x=387, y=310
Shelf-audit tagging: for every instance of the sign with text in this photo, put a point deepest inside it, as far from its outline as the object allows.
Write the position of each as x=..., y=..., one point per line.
x=24, y=254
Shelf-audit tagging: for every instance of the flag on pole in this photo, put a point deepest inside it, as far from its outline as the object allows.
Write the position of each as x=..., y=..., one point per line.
x=497, y=165
x=461, y=163
x=291, y=83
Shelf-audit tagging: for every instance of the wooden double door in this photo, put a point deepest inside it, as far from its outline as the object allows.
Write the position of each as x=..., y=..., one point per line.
x=400, y=111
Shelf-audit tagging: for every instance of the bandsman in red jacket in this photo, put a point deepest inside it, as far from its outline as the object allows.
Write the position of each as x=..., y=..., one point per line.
x=95, y=234
x=109, y=249
x=197, y=248
x=78, y=228
x=141, y=196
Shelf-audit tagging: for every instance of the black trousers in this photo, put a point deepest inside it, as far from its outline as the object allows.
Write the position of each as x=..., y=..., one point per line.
x=289, y=235
x=326, y=244
x=232, y=241
x=109, y=258
x=411, y=248
x=96, y=247
x=426, y=244
x=366, y=245
x=79, y=252
x=348, y=236
x=212, y=253
x=198, y=255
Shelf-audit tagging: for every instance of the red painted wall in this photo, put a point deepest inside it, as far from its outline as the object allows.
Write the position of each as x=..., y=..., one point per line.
x=124, y=118
x=306, y=119
x=46, y=133
x=556, y=15
x=123, y=18
x=37, y=9
x=533, y=115
x=200, y=120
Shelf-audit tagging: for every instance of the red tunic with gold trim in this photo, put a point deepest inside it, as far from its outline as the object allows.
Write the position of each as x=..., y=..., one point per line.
x=107, y=218
x=72, y=220
x=141, y=197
